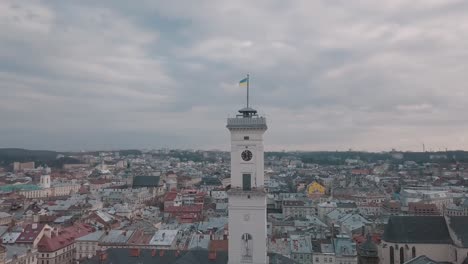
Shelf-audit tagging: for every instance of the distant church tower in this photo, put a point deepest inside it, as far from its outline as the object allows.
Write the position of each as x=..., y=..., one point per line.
x=367, y=252
x=247, y=197
x=45, y=181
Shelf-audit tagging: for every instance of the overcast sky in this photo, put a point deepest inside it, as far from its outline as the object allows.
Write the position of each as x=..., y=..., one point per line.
x=328, y=75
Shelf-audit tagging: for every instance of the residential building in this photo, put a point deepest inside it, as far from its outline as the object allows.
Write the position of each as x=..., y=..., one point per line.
x=18, y=255
x=301, y=249
x=298, y=208
x=345, y=250
x=87, y=246
x=5, y=218
x=57, y=246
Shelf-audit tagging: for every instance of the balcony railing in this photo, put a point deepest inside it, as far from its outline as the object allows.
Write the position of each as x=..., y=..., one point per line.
x=254, y=191
x=249, y=122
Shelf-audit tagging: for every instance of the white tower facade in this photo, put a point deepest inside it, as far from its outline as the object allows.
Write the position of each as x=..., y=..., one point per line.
x=45, y=181
x=247, y=196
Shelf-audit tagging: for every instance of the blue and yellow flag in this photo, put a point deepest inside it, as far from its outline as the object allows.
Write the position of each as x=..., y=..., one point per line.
x=244, y=82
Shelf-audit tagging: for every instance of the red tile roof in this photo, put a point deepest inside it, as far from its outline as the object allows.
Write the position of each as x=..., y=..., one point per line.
x=170, y=196
x=359, y=238
x=184, y=208
x=99, y=181
x=64, y=238
x=30, y=233
x=360, y=171
x=139, y=237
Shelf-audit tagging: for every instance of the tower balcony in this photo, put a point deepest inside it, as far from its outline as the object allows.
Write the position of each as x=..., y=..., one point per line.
x=253, y=122
x=255, y=191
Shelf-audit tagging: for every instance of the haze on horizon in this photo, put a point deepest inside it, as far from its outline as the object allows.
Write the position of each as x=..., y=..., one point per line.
x=328, y=75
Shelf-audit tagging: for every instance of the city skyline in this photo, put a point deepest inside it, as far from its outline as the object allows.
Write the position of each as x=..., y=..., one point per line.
x=327, y=75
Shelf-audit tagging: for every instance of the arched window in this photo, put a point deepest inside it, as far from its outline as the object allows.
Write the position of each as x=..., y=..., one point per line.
x=246, y=247
x=413, y=252
x=392, y=255
x=402, y=255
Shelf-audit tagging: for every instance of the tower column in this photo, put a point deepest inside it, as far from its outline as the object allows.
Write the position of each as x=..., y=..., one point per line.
x=247, y=196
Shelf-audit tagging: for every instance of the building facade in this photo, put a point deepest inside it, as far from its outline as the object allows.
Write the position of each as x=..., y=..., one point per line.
x=442, y=239
x=247, y=197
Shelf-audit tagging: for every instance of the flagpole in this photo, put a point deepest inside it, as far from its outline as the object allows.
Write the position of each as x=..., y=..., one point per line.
x=248, y=80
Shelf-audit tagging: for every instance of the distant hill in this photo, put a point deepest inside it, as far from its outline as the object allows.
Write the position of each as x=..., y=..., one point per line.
x=8, y=155
x=123, y=152
x=339, y=157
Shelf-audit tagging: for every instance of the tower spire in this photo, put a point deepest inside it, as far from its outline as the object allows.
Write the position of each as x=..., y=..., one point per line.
x=247, y=111
x=247, y=196
x=248, y=84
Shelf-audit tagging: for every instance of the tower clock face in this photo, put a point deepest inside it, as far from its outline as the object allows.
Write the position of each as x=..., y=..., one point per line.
x=246, y=155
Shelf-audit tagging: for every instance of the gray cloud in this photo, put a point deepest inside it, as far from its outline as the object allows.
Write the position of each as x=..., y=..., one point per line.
x=327, y=74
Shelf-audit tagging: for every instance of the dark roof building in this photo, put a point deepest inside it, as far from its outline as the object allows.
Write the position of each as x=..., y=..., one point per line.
x=145, y=181
x=425, y=239
x=414, y=229
x=459, y=226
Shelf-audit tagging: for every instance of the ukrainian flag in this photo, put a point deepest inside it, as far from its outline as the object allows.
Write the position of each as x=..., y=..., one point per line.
x=244, y=82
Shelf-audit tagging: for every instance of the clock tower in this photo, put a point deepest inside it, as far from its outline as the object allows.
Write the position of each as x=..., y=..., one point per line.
x=247, y=196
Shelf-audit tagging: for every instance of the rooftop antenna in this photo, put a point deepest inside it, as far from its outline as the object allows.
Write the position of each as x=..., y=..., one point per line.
x=247, y=112
x=248, y=81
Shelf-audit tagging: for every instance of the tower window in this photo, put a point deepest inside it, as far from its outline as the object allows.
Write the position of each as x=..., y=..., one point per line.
x=247, y=247
x=392, y=255
x=402, y=256
x=246, y=138
x=246, y=182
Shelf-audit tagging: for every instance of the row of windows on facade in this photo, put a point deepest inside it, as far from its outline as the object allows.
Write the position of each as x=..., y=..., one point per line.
x=402, y=254
x=307, y=256
x=46, y=255
x=28, y=260
x=47, y=262
x=317, y=260
x=60, y=257
x=86, y=247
